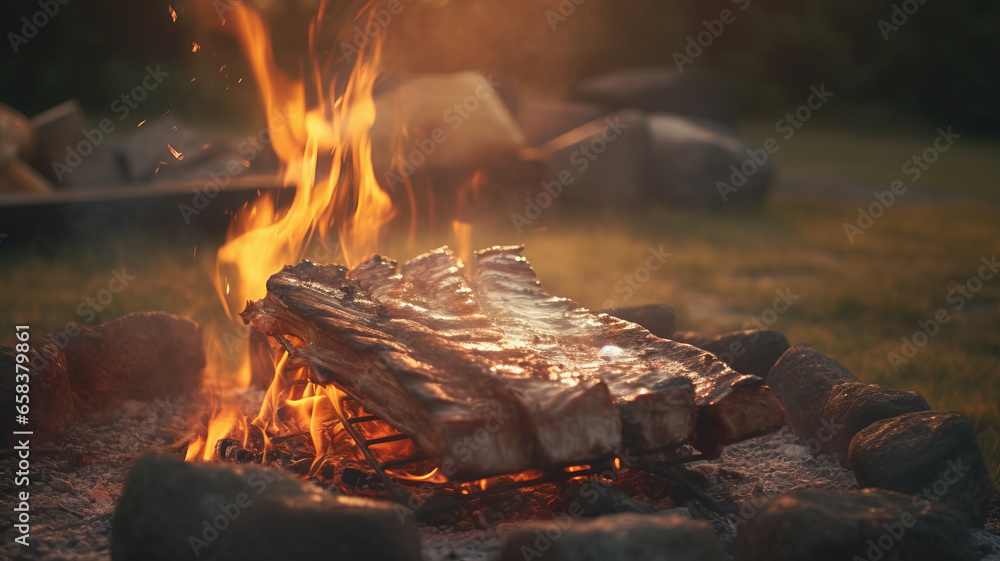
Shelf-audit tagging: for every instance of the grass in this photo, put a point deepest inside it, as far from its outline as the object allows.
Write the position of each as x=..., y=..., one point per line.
x=855, y=301
x=968, y=168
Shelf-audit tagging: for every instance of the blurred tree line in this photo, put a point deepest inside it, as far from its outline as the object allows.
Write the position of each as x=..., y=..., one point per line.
x=938, y=66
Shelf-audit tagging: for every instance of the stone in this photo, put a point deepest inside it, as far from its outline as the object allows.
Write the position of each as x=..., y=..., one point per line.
x=853, y=406
x=690, y=337
x=453, y=121
x=659, y=319
x=203, y=155
x=603, y=162
x=659, y=90
x=142, y=355
x=696, y=162
x=748, y=352
x=173, y=510
x=933, y=454
x=810, y=525
x=616, y=537
x=802, y=380
x=542, y=121
x=51, y=409
x=72, y=152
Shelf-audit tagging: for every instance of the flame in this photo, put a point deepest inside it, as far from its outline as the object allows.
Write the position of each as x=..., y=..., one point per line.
x=325, y=152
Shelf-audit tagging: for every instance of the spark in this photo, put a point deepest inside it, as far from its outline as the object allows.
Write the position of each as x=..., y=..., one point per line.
x=178, y=155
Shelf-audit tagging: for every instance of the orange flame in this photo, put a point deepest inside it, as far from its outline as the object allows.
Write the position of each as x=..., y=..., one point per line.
x=326, y=155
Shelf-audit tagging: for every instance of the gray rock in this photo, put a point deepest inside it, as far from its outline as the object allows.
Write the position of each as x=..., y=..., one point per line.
x=143, y=355
x=748, y=352
x=82, y=148
x=802, y=380
x=50, y=410
x=871, y=524
x=617, y=537
x=933, y=454
x=701, y=163
x=603, y=162
x=854, y=406
x=657, y=318
x=659, y=90
x=451, y=121
x=542, y=121
x=173, y=510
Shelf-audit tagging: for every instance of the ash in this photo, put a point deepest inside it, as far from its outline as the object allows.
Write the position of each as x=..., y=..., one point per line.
x=76, y=481
x=765, y=466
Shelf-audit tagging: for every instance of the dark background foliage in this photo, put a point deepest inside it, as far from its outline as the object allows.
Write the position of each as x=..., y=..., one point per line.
x=938, y=68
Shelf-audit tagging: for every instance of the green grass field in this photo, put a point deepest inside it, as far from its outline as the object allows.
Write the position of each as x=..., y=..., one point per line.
x=853, y=301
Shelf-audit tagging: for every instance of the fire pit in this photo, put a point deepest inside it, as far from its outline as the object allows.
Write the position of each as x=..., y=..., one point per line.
x=449, y=408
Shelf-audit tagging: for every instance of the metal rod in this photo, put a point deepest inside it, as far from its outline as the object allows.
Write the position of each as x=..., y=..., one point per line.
x=394, y=489
x=387, y=439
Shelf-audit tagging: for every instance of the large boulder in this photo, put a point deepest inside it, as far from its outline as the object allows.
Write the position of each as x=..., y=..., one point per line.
x=931, y=454
x=603, y=162
x=659, y=90
x=812, y=525
x=698, y=162
x=452, y=121
x=542, y=121
x=142, y=355
x=171, y=510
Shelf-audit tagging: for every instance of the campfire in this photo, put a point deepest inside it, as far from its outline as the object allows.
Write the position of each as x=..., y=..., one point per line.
x=423, y=376
x=449, y=407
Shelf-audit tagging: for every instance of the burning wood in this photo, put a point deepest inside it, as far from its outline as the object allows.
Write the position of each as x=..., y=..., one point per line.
x=492, y=375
